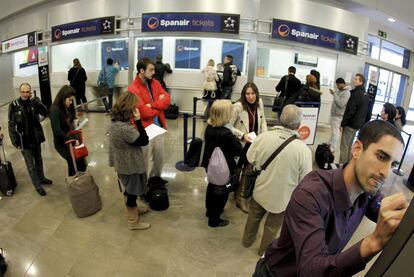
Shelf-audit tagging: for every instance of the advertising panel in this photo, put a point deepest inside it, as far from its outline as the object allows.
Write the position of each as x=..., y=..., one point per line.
x=236, y=49
x=20, y=42
x=187, y=53
x=303, y=33
x=44, y=78
x=191, y=22
x=117, y=50
x=149, y=48
x=87, y=28
x=307, y=129
x=26, y=58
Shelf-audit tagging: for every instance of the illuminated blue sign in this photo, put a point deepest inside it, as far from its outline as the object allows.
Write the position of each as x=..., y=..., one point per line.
x=190, y=22
x=303, y=33
x=87, y=28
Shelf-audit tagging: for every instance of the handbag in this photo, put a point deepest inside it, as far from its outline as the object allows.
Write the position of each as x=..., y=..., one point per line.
x=250, y=177
x=79, y=151
x=279, y=100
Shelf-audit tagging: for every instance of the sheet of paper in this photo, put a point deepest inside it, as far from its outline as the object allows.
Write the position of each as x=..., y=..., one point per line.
x=154, y=131
x=252, y=135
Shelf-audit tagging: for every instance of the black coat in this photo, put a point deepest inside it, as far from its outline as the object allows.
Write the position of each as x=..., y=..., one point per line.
x=293, y=85
x=229, y=144
x=24, y=121
x=160, y=70
x=304, y=94
x=357, y=108
x=77, y=80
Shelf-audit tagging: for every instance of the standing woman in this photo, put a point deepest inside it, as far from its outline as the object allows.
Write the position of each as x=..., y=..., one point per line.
x=77, y=78
x=62, y=116
x=400, y=120
x=217, y=134
x=126, y=136
x=248, y=116
x=209, y=85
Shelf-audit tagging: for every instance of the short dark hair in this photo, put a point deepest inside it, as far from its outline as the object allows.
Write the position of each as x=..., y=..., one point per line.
x=109, y=61
x=340, y=81
x=373, y=131
x=390, y=110
x=143, y=63
x=292, y=69
x=230, y=57
x=361, y=77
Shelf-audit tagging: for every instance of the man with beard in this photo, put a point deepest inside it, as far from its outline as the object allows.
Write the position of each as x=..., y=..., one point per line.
x=328, y=206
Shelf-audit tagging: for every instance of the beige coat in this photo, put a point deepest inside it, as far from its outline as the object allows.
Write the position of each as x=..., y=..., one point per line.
x=240, y=120
x=274, y=186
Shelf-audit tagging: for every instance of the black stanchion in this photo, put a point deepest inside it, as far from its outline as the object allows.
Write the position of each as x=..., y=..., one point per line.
x=195, y=99
x=398, y=170
x=409, y=182
x=181, y=165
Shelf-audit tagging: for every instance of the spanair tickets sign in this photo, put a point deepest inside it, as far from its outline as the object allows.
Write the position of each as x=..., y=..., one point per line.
x=191, y=22
x=307, y=129
x=303, y=33
x=19, y=42
x=87, y=28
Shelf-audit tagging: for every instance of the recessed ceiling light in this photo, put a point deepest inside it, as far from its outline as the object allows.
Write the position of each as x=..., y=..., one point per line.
x=390, y=19
x=411, y=29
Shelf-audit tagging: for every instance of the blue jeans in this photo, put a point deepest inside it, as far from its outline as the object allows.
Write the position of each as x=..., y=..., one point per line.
x=34, y=164
x=110, y=98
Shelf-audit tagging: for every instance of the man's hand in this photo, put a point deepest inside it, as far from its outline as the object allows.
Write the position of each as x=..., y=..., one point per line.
x=162, y=96
x=391, y=212
x=332, y=91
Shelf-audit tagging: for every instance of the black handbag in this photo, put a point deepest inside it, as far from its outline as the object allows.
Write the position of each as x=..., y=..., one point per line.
x=279, y=100
x=250, y=177
x=172, y=112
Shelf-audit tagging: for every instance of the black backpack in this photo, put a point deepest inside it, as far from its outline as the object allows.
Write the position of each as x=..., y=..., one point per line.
x=324, y=156
x=157, y=195
x=172, y=112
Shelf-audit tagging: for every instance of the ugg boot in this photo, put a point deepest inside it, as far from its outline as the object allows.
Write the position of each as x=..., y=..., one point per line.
x=142, y=206
x=133, y=219
x=243, y=205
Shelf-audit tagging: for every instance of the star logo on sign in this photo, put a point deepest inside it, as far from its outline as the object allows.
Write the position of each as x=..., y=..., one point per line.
x=30, y=39
x=43, y=70
x=350, y=43
x=107, y=24
x=229, y=22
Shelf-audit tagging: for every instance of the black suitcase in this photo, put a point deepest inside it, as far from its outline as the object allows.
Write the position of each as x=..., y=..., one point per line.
x=157, y=196
x=324, y=156
x=193, y=156
x=8, y=181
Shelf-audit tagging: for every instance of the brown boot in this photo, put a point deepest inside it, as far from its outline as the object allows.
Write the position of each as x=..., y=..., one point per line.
x=133, y=219
x=243, y=205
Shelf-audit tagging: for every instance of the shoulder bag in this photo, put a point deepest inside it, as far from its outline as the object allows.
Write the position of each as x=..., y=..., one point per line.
x=278, y=101
x=250, y=179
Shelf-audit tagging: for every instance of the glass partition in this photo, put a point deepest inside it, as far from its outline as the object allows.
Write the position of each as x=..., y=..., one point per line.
x=388, y=52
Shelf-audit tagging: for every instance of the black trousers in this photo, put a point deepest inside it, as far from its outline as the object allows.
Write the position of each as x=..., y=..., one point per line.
x=261, y=269
x=80, y=164
x=216, y=199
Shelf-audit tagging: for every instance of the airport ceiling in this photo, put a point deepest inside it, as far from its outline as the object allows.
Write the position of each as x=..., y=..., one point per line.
x=376, y=10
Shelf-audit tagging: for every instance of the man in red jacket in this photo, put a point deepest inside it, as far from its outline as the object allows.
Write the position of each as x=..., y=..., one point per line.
x=153, y=101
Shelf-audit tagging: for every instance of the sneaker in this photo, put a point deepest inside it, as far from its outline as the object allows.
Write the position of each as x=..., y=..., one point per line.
x=41, y=191
x=46, y=181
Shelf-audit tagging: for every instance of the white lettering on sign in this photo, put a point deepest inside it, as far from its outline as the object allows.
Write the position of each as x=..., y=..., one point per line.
x=190, y=48
x=148, y=48
x=167, y=23
x=70, y=32
x=117, y=49
x=297, y=34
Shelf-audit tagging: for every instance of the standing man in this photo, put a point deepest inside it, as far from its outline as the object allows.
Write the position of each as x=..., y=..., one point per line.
x=340, y=98
x=328, y=205
x=354, y=117
x=230, y=73
x=153, y=101
x=107, y=78
x=275, y=185
x=160, y=69
x=289, y=84
x=26, y=133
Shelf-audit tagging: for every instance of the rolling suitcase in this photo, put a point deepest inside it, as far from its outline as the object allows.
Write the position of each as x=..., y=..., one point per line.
x=8, y=181
x=83, y=191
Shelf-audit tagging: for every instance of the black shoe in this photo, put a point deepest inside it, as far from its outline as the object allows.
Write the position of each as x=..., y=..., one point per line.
x=41, y=191
x=221, y=223
x=46, y=181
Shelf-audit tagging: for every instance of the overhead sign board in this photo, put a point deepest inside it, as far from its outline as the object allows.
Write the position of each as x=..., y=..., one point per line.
x=87, y=28
x=303, y=33
x=190, y=22
x=20, y=42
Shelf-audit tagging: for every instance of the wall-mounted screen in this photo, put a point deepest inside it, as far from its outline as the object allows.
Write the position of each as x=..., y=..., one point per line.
x=304, y=59
x=236, y=49
x=117, y=50
x=149, y=48
x=187, y=53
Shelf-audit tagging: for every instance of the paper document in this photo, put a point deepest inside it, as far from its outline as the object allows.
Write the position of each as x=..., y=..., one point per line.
x=82, y=124
x=154, y=131
x=252, y=135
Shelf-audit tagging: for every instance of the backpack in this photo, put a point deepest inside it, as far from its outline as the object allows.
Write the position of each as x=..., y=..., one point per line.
x=218, y=172
x=324, y=156
x=157, y=195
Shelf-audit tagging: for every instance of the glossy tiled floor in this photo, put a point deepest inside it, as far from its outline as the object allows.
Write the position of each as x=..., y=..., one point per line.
x=41, y=236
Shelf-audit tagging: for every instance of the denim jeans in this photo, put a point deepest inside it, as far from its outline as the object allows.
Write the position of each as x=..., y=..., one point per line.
x=110, y=98
x=34, y=164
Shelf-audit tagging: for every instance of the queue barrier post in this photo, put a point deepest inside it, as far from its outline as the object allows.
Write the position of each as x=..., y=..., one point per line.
x=181, y=165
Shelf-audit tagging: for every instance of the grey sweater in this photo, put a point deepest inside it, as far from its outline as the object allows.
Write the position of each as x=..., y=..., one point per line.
x=340, y=99
x=125, y=153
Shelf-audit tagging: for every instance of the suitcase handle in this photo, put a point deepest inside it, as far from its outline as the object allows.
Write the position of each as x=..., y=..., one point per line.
x=69, y=144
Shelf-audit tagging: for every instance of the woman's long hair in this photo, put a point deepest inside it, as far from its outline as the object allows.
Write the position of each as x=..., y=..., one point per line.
x=401, y=111
x=124, y=107
x=67, y=114
x=243, y=100
x=76, y=63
